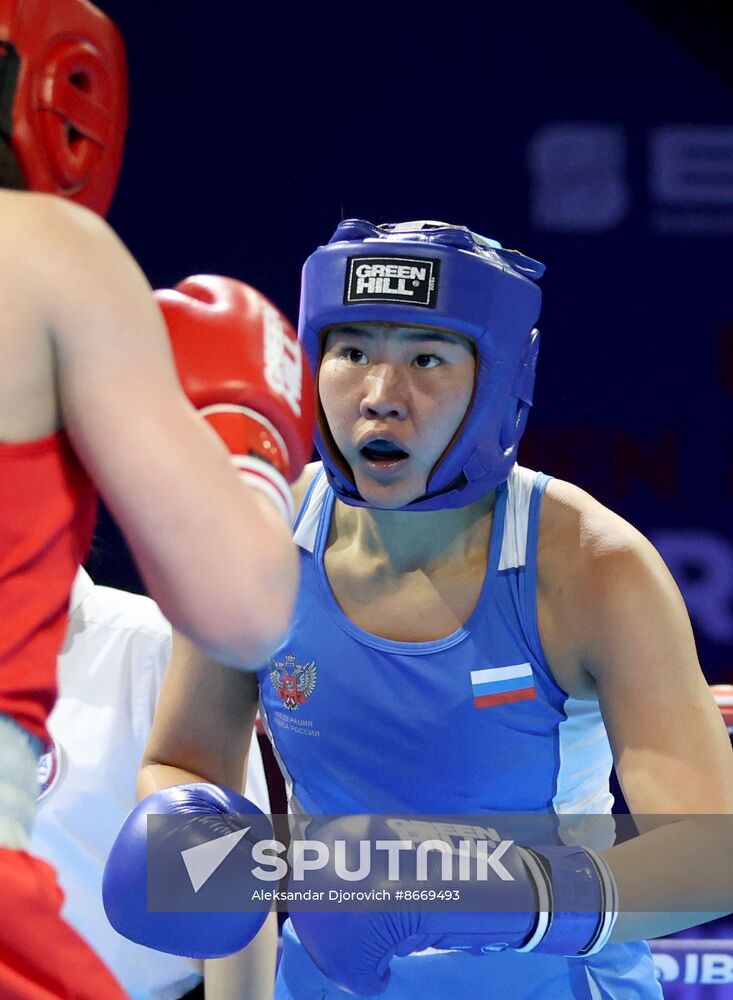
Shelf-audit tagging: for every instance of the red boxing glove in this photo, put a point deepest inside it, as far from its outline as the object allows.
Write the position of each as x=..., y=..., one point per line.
x=241, y=365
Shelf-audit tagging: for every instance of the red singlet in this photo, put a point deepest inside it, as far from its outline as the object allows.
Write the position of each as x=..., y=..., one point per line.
x=41, y=956
x=47, y=516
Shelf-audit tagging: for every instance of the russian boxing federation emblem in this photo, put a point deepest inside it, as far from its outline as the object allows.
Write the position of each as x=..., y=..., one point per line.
x=294, y=682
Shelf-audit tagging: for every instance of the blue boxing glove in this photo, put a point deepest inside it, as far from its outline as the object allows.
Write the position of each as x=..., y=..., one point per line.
x=204, y=813
x=555, y=899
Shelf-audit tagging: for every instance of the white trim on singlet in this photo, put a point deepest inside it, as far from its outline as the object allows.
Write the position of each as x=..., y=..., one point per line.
x=514, y=542
x=305, y=533
x=582, y=777
x=584, y=752
x=595, y=993
x=516, y=519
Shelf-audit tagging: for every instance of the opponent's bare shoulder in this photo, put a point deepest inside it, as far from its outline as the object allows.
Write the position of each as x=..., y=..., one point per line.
x=36, y=234
x=64, y=255
x=50, y=251
x=48, y=228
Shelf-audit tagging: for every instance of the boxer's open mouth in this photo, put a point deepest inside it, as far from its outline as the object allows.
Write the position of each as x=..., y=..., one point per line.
x=381, y=450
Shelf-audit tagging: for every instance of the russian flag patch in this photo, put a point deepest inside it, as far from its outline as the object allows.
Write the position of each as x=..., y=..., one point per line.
x=500, y=685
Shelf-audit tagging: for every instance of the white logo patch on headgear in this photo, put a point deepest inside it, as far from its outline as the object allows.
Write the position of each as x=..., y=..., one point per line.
x=411, y=280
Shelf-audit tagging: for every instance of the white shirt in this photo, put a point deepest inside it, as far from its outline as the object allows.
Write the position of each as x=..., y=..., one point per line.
x=109, y=674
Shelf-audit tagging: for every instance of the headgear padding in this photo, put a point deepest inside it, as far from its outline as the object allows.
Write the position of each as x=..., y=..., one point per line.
x=434, y=274
x=63, y=97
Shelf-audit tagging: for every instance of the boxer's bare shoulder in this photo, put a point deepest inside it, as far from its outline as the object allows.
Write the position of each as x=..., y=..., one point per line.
x=589, y=561
x=71, y=297
x=34, y=226
x=614, y=627
x=578, y=534
x=47, y=225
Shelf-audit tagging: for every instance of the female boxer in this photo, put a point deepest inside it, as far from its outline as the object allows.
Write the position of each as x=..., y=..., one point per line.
x=470, y=637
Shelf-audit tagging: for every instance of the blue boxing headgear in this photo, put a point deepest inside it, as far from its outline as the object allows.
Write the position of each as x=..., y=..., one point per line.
x=434, y=274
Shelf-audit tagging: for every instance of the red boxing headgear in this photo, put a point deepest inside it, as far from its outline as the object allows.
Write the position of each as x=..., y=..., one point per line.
x=63, y=77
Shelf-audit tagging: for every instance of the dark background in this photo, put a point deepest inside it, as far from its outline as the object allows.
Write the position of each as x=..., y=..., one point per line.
x=596, y=138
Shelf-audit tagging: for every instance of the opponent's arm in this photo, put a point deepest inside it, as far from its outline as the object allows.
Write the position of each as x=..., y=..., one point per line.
x=216, y=555
x=205, y=713
x=673, y=757
x=200, y=737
